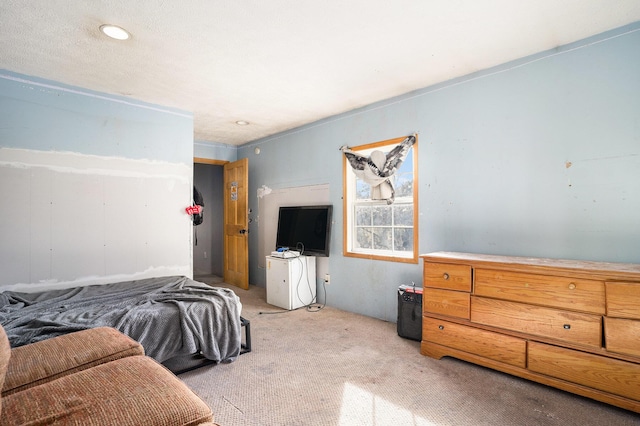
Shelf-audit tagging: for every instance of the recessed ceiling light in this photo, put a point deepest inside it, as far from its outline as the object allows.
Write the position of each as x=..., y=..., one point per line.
x=242, y=123
x=115, y=31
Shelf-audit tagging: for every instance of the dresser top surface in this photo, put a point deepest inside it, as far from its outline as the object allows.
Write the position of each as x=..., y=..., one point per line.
x=632, y=270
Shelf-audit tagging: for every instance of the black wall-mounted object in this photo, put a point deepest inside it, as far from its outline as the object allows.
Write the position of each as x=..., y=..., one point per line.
x=305, y=228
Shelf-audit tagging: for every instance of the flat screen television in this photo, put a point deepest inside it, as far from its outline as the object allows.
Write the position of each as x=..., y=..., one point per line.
x=305, y=228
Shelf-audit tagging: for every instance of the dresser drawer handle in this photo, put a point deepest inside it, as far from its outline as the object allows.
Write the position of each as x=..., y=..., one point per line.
x=441, y=327
x=572, y=286
x=567, y=326
x=445, y=276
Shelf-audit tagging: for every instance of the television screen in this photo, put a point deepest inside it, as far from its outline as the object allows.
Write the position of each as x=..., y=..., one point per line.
x=305, y=228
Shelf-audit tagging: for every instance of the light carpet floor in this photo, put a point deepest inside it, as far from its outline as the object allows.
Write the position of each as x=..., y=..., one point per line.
x=337, y=368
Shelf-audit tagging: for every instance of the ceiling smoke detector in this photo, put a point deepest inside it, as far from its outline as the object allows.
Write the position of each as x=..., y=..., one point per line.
x=115, y=32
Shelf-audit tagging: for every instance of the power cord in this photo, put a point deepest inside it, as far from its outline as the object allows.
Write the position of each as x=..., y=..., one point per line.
x=318, y=307
x=311, y=306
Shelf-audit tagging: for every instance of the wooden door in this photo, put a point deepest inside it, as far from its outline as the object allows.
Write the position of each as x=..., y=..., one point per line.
x=236, y=223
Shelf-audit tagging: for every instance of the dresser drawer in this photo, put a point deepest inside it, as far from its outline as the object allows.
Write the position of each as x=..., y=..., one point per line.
x=623, y=300
x=606, y=374
x=498, y=347
x=585, y=329
x=622, y=336
x=447, y=276
x=546, y=290
x=446, y=302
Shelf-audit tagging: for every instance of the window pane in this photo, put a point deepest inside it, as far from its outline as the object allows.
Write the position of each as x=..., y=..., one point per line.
x=382, y=216
x=382, y=239
x=403, y=215
x=363, y=237
x=403, y=239
x=363, y=216
x=404, y=185
x=363, y=190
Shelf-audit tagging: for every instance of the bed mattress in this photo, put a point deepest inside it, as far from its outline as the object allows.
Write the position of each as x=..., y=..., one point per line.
x=170, y=316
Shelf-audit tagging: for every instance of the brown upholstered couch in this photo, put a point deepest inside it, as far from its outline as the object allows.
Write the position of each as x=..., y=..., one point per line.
x=92, y=377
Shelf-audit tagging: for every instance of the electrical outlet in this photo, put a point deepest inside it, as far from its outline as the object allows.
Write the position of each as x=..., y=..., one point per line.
x=326, y=278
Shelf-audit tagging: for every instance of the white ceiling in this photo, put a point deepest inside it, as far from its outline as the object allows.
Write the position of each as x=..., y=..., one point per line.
x=280, y=64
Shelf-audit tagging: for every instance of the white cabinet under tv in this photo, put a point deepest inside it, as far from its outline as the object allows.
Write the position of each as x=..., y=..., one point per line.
x=291, y=282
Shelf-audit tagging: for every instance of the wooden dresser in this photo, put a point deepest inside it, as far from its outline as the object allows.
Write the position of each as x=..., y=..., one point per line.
x=568, y=324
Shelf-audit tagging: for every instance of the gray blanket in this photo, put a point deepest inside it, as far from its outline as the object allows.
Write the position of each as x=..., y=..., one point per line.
x=169, y=316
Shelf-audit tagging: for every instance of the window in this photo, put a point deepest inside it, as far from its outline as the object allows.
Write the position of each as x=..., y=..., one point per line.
x=374, y=229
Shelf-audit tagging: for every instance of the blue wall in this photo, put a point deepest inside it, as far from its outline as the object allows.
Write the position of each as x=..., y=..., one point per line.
x=215, y=151
x=50, y=116
x=538, y=157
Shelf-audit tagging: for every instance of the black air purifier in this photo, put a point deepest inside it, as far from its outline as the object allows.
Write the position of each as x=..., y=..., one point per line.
x=410, y=312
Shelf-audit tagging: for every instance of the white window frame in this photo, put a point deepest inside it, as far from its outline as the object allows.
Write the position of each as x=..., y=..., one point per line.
x=350, y=202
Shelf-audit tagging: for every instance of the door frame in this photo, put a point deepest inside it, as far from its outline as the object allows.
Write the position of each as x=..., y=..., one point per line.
x=210, y=162
x=202, y=160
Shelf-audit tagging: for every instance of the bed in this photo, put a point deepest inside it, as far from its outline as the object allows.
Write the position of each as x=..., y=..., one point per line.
x=177, y=320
